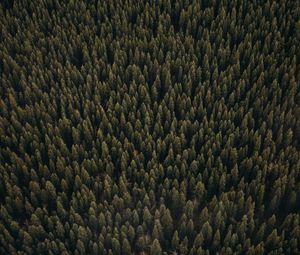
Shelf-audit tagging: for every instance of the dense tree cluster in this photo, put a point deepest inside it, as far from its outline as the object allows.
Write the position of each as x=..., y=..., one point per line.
x=150, y=127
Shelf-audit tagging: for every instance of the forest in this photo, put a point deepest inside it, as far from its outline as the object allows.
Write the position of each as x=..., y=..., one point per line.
x=150, y=127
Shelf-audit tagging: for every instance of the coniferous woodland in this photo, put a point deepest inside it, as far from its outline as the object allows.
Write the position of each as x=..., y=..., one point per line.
x=150, y=127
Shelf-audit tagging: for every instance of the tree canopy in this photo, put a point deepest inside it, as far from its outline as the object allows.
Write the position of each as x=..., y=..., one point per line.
x=150, y=127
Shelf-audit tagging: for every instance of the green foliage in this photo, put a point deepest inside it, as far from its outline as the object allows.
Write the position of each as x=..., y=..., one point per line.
x=155, y=248
x=149, y=127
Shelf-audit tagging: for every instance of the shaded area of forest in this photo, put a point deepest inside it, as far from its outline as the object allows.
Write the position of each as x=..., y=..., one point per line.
x=149, y=127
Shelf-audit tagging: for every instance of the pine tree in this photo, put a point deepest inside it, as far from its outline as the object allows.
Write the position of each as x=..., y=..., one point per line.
x=126, y=248
x=155, y=248
x=167, y=224
x=175, y=240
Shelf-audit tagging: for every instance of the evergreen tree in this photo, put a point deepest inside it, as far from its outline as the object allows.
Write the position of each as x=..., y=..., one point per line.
x=155, y=248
